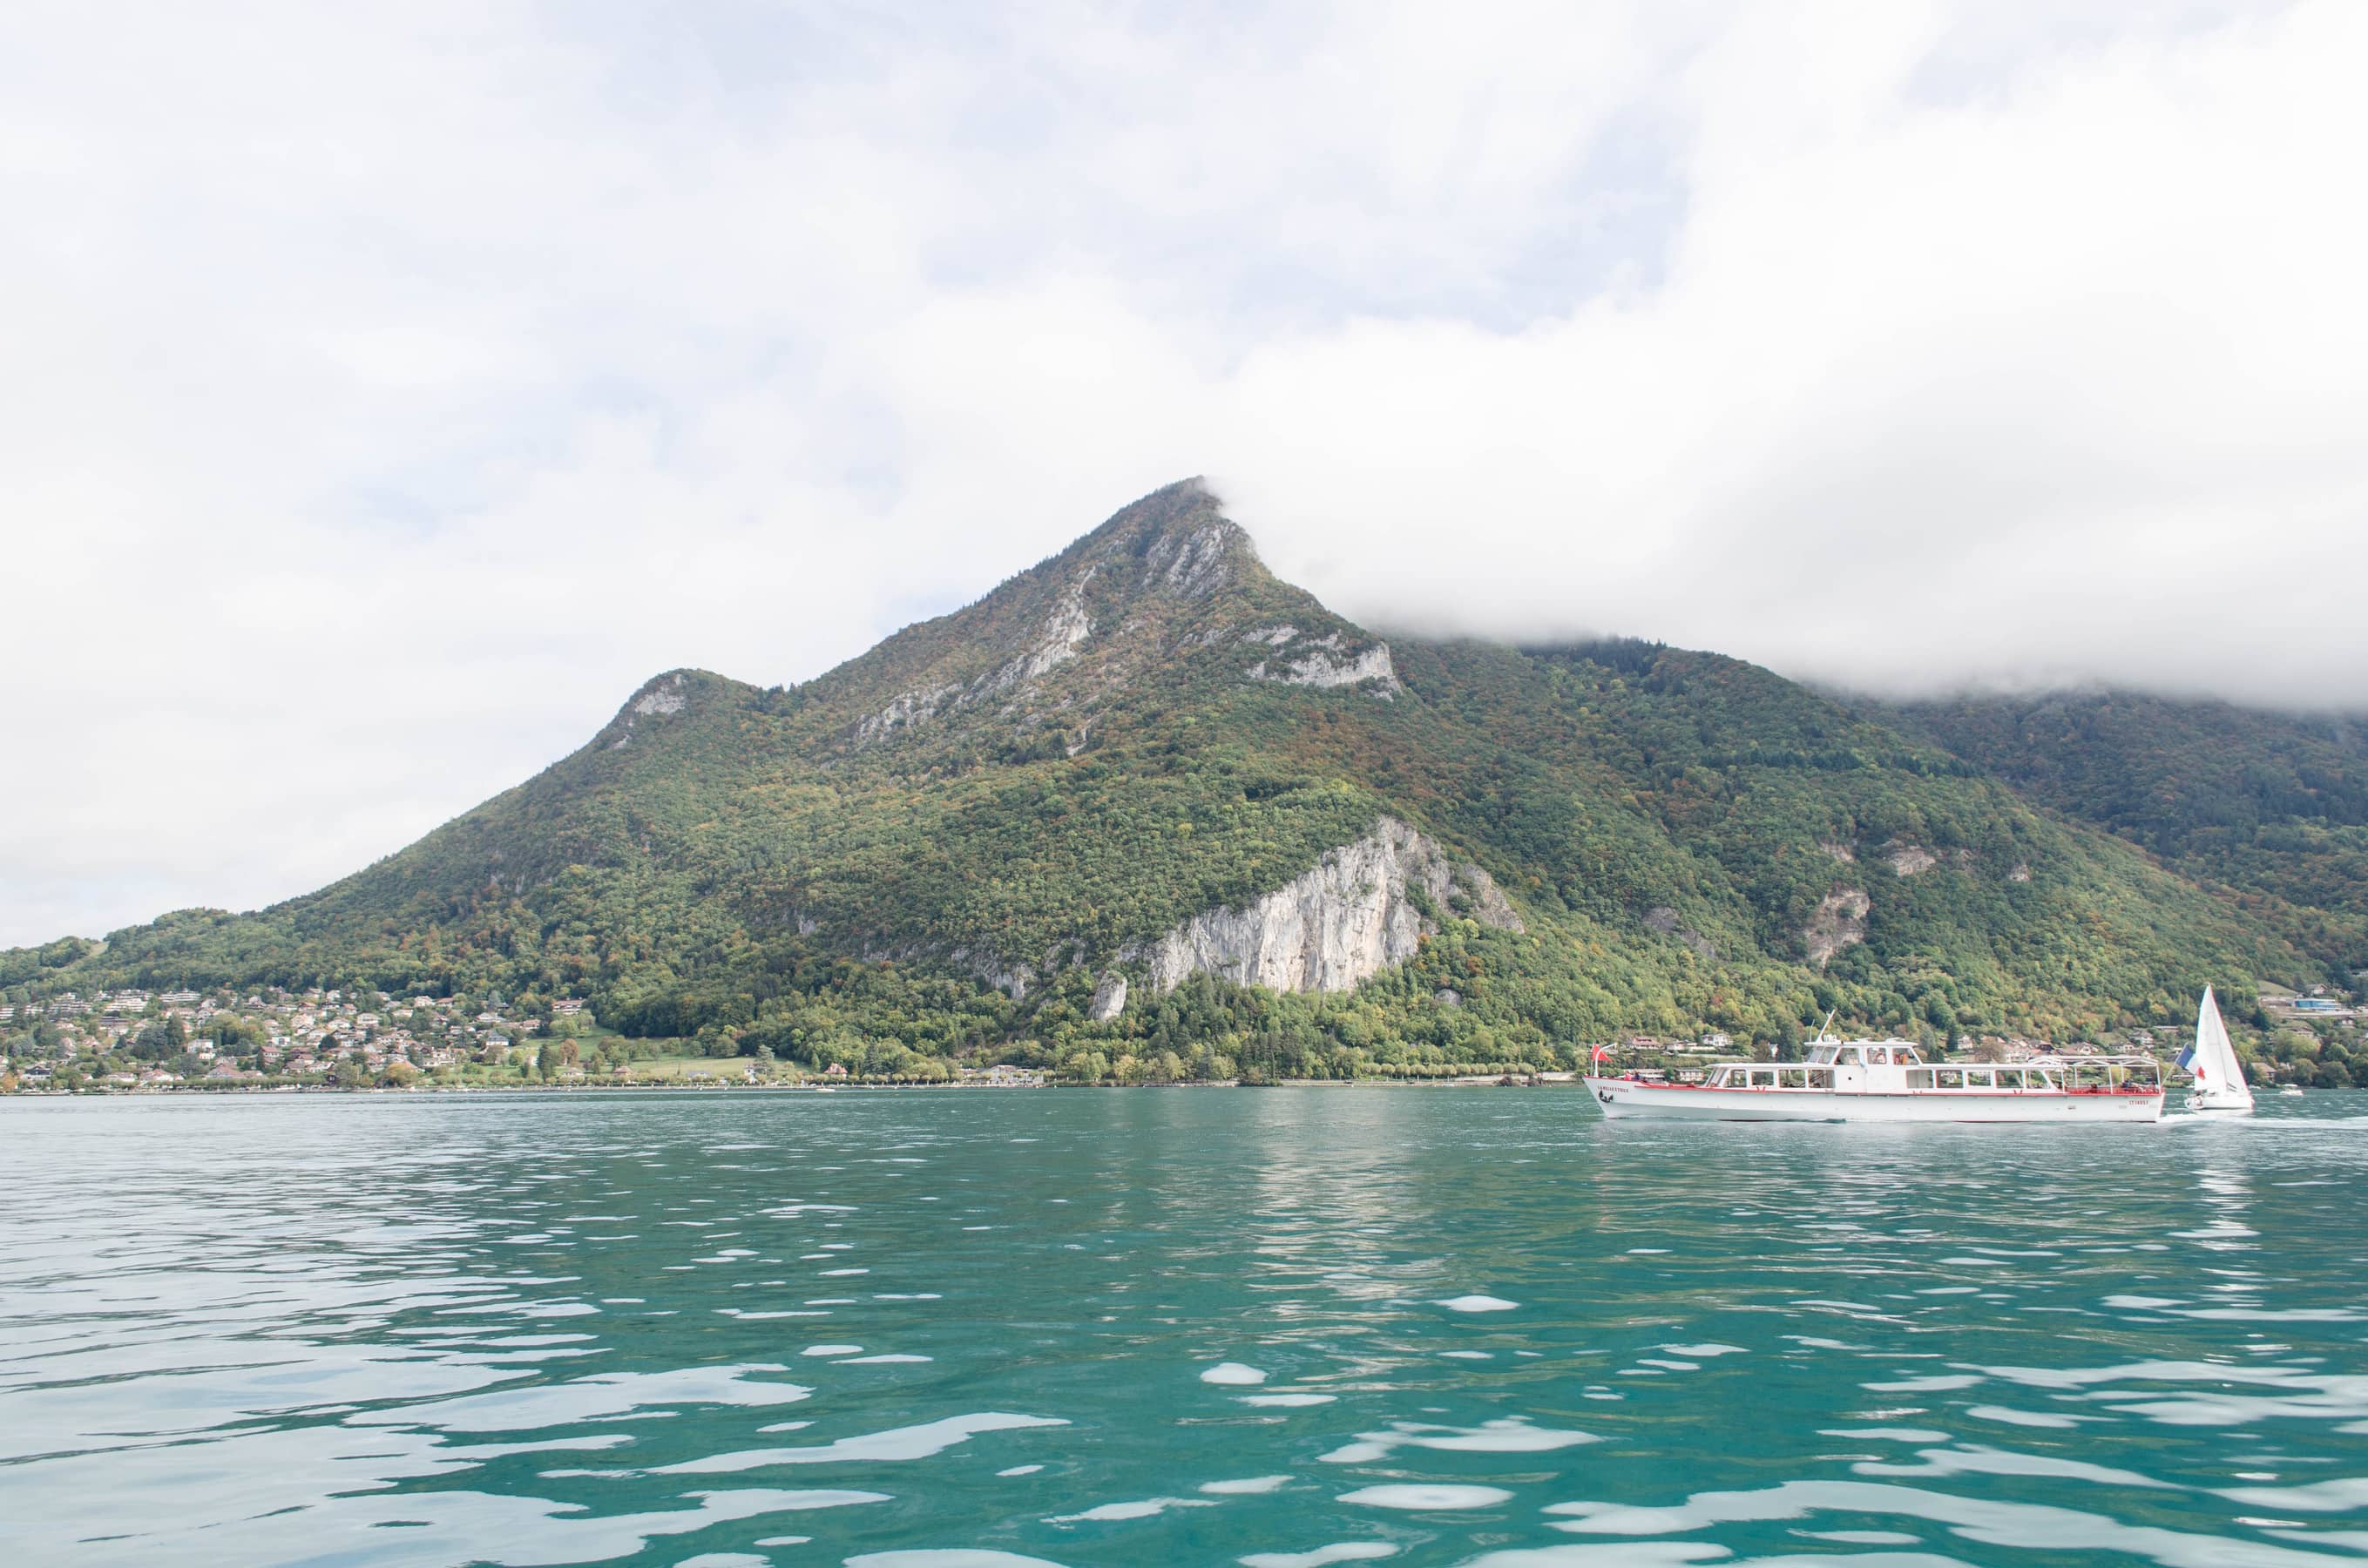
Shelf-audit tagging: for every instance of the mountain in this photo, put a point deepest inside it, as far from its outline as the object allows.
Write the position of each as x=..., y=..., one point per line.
x=1145, y=798
x=2270, y=809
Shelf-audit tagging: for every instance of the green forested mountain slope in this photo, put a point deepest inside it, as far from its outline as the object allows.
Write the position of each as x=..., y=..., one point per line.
x=938, y=846
x=2271, y=809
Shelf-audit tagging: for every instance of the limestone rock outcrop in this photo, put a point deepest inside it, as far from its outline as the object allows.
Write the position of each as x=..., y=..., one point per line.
x=1338, y=924
x=661, y=699
x=1054, y=645
x=1327, y=662
x=1910, y=859
x=1109, y=998
x=1840, y=922
x=1193, y=563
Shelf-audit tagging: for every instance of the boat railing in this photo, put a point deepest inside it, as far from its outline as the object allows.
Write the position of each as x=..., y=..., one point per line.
x=2118, y=1070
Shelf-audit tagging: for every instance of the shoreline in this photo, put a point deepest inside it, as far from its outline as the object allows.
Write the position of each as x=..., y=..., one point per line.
x=189, y=1091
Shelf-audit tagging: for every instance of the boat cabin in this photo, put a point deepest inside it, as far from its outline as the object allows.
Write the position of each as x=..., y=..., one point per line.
x=1895, y=1067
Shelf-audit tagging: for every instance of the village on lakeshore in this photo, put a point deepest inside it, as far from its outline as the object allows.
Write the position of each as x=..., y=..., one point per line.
x=138, y=1042
x=271, y=1039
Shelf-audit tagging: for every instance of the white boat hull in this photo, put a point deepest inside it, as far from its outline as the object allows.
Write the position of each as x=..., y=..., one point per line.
x=1621, y=1099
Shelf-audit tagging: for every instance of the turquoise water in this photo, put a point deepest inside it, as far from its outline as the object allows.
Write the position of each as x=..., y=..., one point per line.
x=1289, y=1327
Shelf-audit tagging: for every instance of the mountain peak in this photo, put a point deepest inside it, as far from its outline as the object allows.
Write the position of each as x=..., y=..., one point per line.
x=1168, y=581
x=1180, y=536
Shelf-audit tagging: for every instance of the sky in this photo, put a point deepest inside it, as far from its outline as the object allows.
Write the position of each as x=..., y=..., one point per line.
x=393, y=389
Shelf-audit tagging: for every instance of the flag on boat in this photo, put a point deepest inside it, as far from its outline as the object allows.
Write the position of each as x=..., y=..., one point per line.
x=1594, y=1058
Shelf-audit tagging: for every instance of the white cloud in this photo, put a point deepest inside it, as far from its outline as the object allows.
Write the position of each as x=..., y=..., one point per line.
x=393, y=391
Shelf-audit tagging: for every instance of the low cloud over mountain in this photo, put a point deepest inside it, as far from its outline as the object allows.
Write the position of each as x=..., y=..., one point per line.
x=392, y=390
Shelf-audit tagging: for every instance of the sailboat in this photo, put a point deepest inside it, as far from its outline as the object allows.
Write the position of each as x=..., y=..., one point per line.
x=2219, y=1080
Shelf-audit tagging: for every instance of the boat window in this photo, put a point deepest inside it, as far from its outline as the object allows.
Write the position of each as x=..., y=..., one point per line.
x=1980, y=1078
x=1920, y=1077
x=2043, y=1080
x=1791, y=1078
x=1949, y=1077
x=1821, y=1053
x=1821, y=1077
x=1907, y=1057
x=1763, y=1077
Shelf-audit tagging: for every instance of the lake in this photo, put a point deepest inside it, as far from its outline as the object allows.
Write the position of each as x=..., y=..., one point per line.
x=1283, y=1328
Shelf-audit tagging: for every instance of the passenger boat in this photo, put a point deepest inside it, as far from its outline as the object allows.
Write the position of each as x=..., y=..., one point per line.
x=1888, y=1080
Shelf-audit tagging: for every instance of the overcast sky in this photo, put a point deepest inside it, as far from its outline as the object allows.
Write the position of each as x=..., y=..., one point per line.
x=391, y=389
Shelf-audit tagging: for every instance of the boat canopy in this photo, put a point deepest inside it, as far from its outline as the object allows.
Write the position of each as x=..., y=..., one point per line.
x=1865, y=1052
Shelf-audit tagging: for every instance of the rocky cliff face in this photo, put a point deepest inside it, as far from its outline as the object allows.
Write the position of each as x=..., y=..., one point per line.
x=1046, y=648
x=1840, y=922
x=1327, y=661
x=1109, y=998
x=660, y=698
x=1342, y=922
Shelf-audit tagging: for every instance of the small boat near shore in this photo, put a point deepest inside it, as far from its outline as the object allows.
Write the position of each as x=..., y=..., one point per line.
x=1888, y=1080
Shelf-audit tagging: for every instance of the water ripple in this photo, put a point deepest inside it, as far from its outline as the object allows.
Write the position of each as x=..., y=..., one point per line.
x=1288, y=1329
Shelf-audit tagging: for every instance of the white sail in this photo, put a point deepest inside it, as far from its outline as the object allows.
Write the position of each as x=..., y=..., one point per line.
x=2219, y=1077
